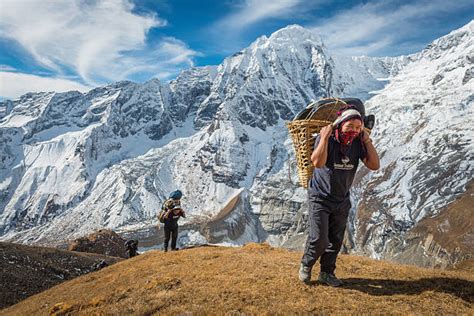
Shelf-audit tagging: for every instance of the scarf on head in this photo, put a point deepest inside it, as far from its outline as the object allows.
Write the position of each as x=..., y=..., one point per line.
x=346, y=138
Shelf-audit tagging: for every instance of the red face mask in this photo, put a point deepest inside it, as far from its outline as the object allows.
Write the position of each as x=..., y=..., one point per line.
x=346, y=138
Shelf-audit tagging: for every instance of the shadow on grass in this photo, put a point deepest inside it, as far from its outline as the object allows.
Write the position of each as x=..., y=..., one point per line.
x=461, y=288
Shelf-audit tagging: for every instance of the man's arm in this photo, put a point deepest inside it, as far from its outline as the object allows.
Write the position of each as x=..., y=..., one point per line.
x=371, y=159
x=320, y=153
x=166, y=208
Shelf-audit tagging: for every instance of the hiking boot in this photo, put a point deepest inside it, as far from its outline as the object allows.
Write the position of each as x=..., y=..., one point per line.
x=329, y=279
x=305, y=273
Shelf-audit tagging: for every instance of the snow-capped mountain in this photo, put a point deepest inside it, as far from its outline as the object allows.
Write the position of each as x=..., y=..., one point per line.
x=72, y=163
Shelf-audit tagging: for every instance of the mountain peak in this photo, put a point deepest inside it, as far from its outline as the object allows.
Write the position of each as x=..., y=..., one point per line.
x=461, y=37
x=468, y=27
x=292, y=35
x=153, y=81
x=296, y=32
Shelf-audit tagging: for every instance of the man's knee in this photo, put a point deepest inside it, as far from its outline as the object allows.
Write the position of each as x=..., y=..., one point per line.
x=319, y=244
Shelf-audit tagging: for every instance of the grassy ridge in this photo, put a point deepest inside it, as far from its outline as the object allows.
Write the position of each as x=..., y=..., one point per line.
x=251, y=279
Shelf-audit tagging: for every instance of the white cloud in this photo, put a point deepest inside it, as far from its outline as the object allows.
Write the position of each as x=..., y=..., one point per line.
x=365, y=48
x=176, y=52
x=98, y=40
x=253, y=11
x=14, y=84
x=227, y=32
x=377, y=26
x=7, y=68
x=173, y=55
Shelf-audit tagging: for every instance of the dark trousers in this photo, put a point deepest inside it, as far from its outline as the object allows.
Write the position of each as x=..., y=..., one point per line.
x=327, y=223
x=173, y=233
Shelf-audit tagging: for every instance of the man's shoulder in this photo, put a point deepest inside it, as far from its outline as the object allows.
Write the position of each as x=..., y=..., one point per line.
x=331, y=140
x=317, y=138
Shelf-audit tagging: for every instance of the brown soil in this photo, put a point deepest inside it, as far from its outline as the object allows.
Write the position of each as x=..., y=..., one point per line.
x=27, y=270
x=251, y=279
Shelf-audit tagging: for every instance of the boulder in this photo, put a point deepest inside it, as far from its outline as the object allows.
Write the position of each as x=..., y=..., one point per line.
x=104, y=241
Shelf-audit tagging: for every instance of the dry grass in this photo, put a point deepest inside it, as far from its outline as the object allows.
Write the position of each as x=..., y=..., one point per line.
x=466, y=266
x=251, y=279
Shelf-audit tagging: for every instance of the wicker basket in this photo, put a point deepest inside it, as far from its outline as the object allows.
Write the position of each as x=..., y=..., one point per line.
x=302, y=134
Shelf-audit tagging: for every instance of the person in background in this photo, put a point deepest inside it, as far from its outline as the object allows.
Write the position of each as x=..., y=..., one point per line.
x=132, y=247
x=337, y=151
x=170, y=213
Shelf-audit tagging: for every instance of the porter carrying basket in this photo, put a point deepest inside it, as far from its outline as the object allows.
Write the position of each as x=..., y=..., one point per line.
x=308, y=123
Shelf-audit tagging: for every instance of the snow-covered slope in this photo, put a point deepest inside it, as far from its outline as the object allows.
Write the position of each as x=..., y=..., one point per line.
x=72, y=163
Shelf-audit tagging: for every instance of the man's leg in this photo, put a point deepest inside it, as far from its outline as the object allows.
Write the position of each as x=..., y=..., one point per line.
x=174, y=238
x=317, y=240
x=167, y=237
x=337, y=227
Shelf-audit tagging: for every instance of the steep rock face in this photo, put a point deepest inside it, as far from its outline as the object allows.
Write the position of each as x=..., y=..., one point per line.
x=439, y=241
x=74, y=163
x=256, y=84
x=189, y=90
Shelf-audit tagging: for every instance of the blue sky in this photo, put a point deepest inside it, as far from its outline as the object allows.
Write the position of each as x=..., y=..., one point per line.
x=78, y=44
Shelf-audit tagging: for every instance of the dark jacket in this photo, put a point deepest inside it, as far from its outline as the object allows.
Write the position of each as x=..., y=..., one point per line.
x=333, y=181
x=173, y=212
